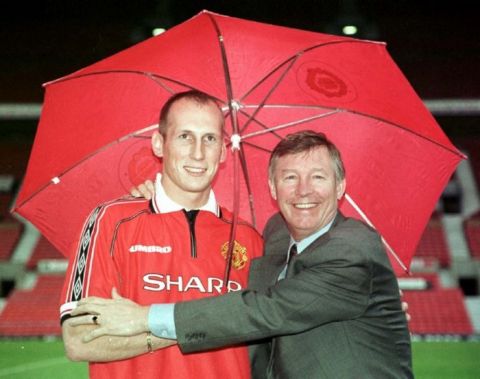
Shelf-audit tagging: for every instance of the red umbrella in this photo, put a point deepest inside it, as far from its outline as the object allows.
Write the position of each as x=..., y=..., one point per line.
x=92, y=141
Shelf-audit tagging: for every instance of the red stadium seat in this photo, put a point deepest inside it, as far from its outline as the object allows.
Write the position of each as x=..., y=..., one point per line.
x=471, y=227
x=33, y=312
x=43, y=250
x=9, y=236
x=433, y=244
x=440, y=311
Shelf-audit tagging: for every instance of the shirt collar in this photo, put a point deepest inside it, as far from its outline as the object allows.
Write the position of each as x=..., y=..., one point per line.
x=307, y=241
x=161, y=203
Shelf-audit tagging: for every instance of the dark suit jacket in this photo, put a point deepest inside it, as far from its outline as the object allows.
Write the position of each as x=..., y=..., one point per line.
x=336, y=315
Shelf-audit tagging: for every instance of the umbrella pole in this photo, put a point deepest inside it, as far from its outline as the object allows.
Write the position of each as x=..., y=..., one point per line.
x=235, y=149
x=233, y=229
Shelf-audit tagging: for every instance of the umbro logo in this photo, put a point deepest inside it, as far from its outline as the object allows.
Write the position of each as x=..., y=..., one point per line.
x=150, y=249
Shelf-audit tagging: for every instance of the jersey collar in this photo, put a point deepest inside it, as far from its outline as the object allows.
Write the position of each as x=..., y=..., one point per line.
x=161, y=203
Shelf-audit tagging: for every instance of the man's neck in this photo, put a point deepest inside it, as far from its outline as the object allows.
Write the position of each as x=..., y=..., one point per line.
x=188, y=200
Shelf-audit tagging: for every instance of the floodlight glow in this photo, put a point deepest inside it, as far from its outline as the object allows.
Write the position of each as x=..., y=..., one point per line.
x=349, y=30
x=157, y=31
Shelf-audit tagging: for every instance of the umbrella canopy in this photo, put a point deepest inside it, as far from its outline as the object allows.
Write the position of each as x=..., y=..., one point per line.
x=92, y=142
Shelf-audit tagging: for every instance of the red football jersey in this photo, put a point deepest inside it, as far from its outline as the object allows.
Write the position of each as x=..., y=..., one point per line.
x=159, y=258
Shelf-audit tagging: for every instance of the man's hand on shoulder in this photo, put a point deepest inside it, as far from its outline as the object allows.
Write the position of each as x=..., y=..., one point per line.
x=146, y=190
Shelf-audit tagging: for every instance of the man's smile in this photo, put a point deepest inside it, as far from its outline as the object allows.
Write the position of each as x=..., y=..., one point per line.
x=195, y=170
x=304, y=205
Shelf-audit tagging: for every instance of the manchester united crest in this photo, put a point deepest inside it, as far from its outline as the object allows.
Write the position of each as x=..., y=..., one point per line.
x=239, y=255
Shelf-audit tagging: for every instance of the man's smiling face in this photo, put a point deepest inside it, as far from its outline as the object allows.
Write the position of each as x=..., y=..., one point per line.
x=307, y=190
x=192, y=149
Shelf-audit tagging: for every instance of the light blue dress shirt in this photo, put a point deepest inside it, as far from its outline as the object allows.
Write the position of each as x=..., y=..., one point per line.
x=161, y=320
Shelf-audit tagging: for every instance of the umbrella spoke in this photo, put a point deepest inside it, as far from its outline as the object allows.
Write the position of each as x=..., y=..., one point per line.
x=157, y=80
x=269, y=93
x=243, y=162
x=289, y=124
x=262, y=125
x=226, y=72
x=370, y=223
x=254, y=146
x=56, y=179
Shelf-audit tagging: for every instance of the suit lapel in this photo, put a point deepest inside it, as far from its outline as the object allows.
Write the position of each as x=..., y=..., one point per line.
x=264, y=271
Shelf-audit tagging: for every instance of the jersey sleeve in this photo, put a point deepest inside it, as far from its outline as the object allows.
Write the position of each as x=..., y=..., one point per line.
x=91, y=271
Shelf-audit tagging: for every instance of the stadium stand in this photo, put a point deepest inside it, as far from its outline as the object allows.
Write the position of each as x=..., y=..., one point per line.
x=472, y=234
x=5, y=201
x=439, y=311
x=44, y=250
x=419, y=281
x=471, y=146
x=7, y=185
x=33, y=312
x=433, y=244
x=9, y=236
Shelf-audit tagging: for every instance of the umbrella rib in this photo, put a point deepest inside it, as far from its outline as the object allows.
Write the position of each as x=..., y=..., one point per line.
x=261, y=124
x=338, y=110
x=367, y=220
x=269, y=129
x=243, y=162
x=154, y=77
x=157, y=80
x=269, y=93
x=56, y=180
x=456, y=152
x=252, y=145
x=226, y=70
x=296, y=55
x=289, y=124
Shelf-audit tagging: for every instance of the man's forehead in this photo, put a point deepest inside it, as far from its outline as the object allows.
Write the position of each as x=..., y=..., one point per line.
x=187, y=106
x=317, y=158
x=181, y=104
x=319, y=152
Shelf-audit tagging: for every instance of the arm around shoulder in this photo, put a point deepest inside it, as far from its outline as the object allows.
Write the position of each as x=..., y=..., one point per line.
x=107, y=348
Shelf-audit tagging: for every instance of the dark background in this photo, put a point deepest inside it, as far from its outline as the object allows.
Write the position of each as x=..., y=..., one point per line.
x=436, y=44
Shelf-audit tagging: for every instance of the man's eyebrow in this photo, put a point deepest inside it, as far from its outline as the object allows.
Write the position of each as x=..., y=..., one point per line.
x=288, y=170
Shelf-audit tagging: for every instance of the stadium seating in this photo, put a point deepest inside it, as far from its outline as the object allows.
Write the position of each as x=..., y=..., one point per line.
x=9, y=236
x=43, y=250
x=471, y=146
x=419, y=281
x=5, y=202
x=7, y=185
x=471, y=227
x=433, y=244
x=440, y=311
x=33, y=312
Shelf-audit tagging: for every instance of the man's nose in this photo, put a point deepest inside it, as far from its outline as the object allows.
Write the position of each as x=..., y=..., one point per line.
x=303, y=187
x=198, y=150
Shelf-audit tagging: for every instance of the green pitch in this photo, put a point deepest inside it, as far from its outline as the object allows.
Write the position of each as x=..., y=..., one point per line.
x=26, y=359
x=446, y=360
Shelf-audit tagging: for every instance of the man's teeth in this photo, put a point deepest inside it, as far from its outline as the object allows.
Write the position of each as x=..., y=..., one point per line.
x=195, y=170
x=304, y=205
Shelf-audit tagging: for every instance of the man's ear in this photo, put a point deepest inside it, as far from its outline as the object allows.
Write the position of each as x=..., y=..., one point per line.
x=273, y=189
x=157, y=144
x=341, y=188
x=223, y=154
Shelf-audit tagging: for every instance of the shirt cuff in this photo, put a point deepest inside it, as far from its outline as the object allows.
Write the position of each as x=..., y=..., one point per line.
x=161, y=320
